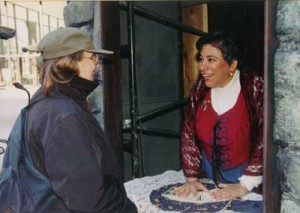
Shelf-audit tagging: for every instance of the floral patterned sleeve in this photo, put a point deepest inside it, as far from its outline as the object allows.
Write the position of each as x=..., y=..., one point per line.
x=190, y=150
x=255, y=165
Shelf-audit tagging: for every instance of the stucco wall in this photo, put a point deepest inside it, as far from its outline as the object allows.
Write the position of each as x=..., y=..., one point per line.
x=287, y=103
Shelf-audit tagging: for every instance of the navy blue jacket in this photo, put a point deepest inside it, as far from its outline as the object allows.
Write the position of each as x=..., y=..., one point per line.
x=67, y=144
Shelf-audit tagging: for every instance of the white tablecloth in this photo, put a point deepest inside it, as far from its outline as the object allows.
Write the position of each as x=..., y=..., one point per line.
x=139, y=190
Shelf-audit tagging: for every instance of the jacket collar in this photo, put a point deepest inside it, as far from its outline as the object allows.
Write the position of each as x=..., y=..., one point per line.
x=77, y=89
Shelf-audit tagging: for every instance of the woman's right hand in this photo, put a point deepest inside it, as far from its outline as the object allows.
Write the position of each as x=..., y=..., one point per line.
x=191, y=187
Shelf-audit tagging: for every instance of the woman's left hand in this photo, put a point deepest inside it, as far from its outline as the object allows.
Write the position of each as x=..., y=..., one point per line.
x=229, y=191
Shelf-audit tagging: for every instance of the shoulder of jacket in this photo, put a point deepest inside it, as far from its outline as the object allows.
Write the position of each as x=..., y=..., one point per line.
x=56, y=108
x=251, y=79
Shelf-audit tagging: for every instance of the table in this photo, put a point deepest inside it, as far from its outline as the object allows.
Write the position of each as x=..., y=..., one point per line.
x=139, y=189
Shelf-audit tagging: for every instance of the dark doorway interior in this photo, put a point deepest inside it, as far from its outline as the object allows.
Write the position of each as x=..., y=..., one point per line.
x=159, y=68
x=158, y=74
x=246, y=19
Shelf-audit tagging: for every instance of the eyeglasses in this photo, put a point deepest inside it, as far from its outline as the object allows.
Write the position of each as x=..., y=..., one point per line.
x=94, y=57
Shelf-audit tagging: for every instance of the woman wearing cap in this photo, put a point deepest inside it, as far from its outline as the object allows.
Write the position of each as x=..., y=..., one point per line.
x=222, y=134
x=66, y=142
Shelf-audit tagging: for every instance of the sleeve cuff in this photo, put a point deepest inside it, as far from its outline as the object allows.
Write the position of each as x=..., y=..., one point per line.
x=249, y=182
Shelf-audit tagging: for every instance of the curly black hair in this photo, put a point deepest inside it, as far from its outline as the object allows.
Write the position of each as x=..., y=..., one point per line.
x=226, y=42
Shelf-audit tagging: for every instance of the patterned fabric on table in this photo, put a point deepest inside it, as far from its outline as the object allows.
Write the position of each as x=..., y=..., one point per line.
x=157, y=199
x=167, y=204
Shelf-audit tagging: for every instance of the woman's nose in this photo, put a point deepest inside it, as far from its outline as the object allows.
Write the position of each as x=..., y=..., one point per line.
x=202, y=65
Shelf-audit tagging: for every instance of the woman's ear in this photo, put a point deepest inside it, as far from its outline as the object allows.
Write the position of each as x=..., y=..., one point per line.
x=233, y=65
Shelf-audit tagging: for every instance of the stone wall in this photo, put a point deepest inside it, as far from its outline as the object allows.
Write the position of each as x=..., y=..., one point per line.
x=287, y=103
x=86, y=15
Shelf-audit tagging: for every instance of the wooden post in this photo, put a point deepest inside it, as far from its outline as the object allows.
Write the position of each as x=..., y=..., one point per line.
x=194, y=16
x=110, y=30
x=271, y=185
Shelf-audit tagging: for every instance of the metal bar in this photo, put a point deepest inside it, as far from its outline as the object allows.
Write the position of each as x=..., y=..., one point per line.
x=41, y=20
x=180, y=57
x=15, y=23
x=133, y=92
x=155, y=132
x=159, y=132
x=162, y=110
x=162, y=20
x=9, y=60
x=271, y=190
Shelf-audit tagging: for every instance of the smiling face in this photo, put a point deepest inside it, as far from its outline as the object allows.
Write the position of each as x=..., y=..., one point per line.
x=215, y=71
x=88, y=65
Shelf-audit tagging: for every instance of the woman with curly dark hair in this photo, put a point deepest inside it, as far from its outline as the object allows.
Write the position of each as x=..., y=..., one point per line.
x=222, y=134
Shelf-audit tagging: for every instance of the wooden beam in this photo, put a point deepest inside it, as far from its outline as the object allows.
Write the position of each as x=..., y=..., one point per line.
x=112, y=91
x=271, y=185
x=194, y=16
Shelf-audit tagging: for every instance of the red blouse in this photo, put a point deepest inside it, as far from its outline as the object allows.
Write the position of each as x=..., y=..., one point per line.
x=232, y=135
x=191, y=147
